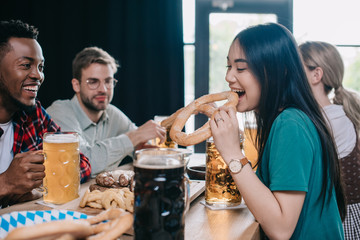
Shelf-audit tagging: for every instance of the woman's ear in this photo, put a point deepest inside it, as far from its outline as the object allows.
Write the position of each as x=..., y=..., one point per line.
x=317, y=75
x=76, y=85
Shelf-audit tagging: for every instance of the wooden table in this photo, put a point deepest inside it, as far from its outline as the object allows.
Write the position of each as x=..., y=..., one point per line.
x=200, y=222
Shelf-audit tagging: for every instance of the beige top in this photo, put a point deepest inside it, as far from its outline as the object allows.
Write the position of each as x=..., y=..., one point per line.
x=343, y=129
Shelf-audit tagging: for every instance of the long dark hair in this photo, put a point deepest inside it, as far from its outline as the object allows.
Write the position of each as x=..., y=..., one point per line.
x=273, y=57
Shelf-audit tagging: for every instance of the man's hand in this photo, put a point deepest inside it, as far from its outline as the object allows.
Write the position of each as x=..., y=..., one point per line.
x=11, y=199
x=146, y=132
x=25, y=173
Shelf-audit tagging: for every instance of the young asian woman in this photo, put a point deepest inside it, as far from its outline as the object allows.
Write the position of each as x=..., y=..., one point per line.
x=296, y=193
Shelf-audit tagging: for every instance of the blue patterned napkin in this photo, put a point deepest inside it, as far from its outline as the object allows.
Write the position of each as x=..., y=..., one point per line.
x=12, y=220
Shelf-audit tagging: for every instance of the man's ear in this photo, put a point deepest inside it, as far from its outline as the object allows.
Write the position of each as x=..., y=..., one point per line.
x=317, y=75
x=76, y=85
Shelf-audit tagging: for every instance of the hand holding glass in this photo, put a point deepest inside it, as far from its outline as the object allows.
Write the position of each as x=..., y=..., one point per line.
x=220, y=188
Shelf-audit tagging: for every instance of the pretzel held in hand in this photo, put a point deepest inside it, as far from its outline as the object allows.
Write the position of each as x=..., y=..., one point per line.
x=183, y=115
x=206, y=109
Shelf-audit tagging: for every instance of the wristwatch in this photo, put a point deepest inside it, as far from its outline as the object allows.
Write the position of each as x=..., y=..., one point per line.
x=235, y=165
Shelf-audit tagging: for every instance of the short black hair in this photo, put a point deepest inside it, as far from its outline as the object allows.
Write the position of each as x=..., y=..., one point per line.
x=14, y=28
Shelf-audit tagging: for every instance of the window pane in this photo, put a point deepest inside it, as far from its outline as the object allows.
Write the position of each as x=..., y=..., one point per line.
x=336, y=24
x=189, y=21
x=223, y=28
x=333, y=21
x=351, y=58
x=189, y=64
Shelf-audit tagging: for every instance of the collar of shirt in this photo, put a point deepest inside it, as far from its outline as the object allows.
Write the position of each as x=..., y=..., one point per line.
x=29, y=128
x=84, y=120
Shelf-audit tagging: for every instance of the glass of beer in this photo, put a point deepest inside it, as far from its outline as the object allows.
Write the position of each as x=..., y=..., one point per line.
x=161, y=194
x=251, y=153
x=169, y=143
x=61, y=160
x=220, y=188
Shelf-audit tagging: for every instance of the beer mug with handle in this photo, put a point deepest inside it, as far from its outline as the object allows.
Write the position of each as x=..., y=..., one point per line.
x=161, y=194
x=62, y=169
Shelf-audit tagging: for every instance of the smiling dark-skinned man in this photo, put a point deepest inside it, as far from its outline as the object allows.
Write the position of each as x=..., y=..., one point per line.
x=23, y=120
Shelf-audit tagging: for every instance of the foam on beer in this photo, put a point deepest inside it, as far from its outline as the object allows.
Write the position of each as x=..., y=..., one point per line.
x=157, y=162
x=61, y=138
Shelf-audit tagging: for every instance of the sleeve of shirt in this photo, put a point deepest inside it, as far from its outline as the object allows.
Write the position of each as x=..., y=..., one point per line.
x=85, y=168
x=107, y=154
x=290, y=148
x=51, y=126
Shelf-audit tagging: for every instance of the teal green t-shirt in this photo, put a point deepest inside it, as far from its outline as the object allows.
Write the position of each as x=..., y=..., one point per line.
x=292, y=162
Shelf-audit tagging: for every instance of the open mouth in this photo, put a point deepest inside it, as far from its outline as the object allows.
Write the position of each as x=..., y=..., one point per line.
x=33, y=88
x=240, y=93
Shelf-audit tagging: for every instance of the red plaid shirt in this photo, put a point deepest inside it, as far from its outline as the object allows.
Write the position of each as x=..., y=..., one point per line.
x=29, y=129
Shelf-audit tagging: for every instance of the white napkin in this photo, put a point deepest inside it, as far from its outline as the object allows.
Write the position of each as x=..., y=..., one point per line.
x=41, y=202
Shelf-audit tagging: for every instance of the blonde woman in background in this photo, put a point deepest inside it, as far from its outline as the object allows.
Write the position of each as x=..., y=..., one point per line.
x=325, y=70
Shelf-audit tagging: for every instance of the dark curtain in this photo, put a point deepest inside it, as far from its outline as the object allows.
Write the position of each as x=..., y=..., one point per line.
x=145, y=36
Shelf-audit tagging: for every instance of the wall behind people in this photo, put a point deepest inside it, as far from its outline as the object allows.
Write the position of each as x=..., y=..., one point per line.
x=144, y=35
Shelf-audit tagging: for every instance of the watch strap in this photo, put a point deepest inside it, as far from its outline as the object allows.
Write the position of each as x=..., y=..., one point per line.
x=245, y=161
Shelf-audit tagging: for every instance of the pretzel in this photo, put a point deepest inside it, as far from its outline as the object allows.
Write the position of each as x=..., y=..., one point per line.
x=110, y=198
x=182, y=115
x=207, y=109
x=118, y=221
x=78, y=229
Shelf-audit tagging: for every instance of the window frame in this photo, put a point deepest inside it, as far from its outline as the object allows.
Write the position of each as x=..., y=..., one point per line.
x=283, y=9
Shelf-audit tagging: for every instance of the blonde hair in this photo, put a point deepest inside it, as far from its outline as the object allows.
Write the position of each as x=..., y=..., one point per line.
x=326, y=56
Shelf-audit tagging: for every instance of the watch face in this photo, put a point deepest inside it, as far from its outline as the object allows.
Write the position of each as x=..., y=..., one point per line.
x=235, y=166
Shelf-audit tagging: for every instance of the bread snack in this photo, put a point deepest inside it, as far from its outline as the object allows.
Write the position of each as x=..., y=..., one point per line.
x=105, y=179
x=206, y=109
x=118, y=221
x=110, y=198
x=113, y=189
x=93, y=187
x=179, y=118
x=54, y=229
x=115, y=179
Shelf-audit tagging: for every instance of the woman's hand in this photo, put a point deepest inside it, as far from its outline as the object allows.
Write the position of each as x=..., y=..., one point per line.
x=226, y=133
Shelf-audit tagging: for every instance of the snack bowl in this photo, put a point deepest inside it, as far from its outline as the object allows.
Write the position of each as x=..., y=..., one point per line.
x=196, y=172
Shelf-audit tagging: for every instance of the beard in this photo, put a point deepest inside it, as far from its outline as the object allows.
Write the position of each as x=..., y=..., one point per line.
x=22, y=106
x=10, y=102
x=91, y=106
